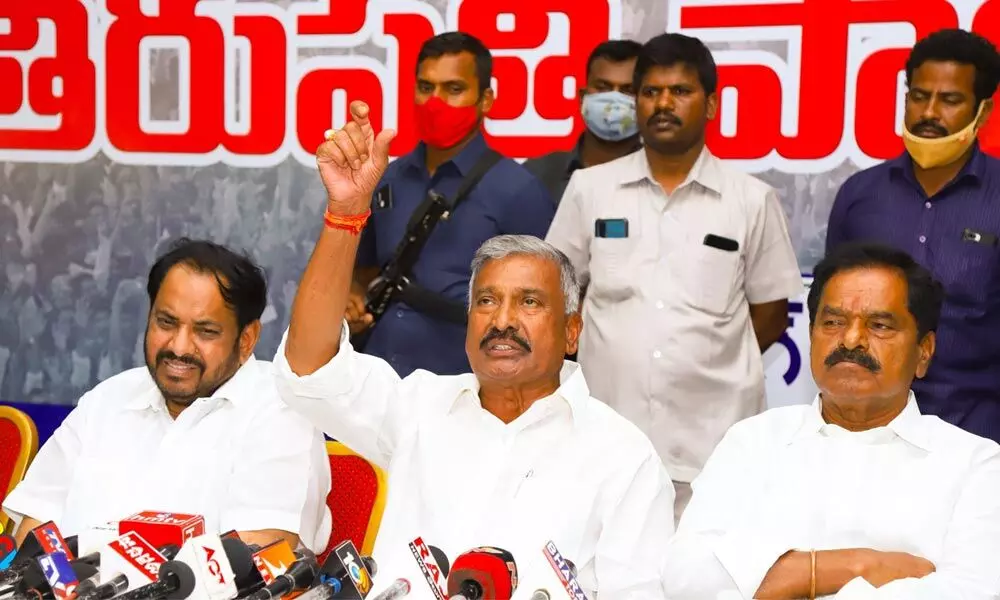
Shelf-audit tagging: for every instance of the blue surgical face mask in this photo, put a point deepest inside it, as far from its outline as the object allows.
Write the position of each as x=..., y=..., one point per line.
x=610, y=115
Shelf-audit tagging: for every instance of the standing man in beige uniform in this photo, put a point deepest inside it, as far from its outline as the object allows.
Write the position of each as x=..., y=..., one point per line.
x=689, y=268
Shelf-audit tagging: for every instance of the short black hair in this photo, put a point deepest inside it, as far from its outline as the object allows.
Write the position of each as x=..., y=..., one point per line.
x=615, y=51
x=963, y=47
x=455, y=42
x=924, y=294
x=669, y=49
x=241, y=282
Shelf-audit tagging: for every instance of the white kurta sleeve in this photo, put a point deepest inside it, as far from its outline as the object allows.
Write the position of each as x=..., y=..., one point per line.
x=355, y=398
x=281, y=480
x=43, y=491
x=716, y=549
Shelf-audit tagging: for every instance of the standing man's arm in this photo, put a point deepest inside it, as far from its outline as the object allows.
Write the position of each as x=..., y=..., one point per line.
x=41, y=495
x=772, y=275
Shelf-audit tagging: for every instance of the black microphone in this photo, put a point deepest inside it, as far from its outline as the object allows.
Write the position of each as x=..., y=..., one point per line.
x=245, y=575
x=175, y=581
x=298, y=576
x=89, y=590
x=35, y=583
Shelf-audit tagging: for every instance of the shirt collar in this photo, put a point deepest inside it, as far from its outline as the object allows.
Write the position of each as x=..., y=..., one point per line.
x=907, y=425
x=572, y=390
x=240, y=387
x=974, y=169
x=463, y=161
x=705, y=171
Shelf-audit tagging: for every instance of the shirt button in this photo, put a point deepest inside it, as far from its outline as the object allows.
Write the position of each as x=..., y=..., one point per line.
x=657, y=354
x=399, y=314
x=659, y=304
x=923, y=239
x=927, y=204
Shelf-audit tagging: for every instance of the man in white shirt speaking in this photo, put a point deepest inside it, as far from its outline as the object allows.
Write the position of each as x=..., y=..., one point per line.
x=512, y=456
x=857, y=496
x=199, y=430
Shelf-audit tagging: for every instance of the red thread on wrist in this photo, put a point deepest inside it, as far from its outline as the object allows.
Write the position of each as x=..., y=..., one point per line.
x=352, y=223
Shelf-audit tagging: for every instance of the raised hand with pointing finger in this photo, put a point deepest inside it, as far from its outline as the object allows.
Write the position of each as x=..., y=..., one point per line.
x=351, y=162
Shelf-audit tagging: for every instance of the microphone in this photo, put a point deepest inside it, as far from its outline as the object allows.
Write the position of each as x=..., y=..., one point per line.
x=54, y=577
x=273, y=560
x=43, y=539
x=484, y=572
x=398, y=589
x=565, y=570
x=433, y=565
x=175, y=581
x=134, y=557
x=163, y=528
x=346, y=573
x=299, y=576
x=214, y=577
x=245, y=574
x=89, y=590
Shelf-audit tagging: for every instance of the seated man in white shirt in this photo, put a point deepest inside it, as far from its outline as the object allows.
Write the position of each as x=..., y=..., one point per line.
x=512, y=456
x=200, y=429
x=857, y=496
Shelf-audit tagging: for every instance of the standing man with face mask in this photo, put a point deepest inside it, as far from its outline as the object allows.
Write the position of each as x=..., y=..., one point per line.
x=689, y=266
x=940, y=202
x=453, y=95
x=607, y=105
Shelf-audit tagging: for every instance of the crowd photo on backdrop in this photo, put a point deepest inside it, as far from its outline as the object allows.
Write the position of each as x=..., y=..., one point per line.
x=452, y=299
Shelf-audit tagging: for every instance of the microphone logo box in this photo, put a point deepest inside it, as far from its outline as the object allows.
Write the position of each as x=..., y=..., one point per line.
x=138, y=553
x=562, y=569
x=273, y=560
x=162, y=528
x=355, y=568
x=59, y=574
x=429, y=568
x=52, y=541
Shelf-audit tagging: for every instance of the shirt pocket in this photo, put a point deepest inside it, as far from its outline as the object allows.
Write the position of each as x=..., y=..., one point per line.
x=972, y=273
x=611, y=273
x=708, y=277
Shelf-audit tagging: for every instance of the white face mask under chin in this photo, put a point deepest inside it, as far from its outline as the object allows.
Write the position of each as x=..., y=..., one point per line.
x=938, y=152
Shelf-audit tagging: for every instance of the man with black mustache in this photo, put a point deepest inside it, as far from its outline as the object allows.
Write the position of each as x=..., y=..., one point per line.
x=512, y=455
x=938, y=201
x=199, y=429
x=858, y=496
x=688, y=266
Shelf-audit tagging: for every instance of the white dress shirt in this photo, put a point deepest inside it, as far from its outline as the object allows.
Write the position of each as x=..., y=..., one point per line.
x=241, y=459
x=667, y=338
x=569, y=469
x=787, y=480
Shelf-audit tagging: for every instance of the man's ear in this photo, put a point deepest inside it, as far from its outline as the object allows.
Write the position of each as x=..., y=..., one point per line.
x=925, y=349
x=984, y=118
x=574, y=325
x=487, y=100
x=712, y=106
x=248, y=340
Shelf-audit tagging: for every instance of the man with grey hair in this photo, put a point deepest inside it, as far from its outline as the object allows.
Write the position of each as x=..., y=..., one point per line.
x=513, y=455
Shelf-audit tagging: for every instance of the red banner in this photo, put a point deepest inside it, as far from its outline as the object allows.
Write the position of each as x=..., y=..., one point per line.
x=249, y=84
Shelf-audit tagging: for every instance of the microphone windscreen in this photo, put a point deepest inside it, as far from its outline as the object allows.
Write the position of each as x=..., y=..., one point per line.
x=441, y=559
x=240, y=558
x=490, y=571
x=181, y=577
